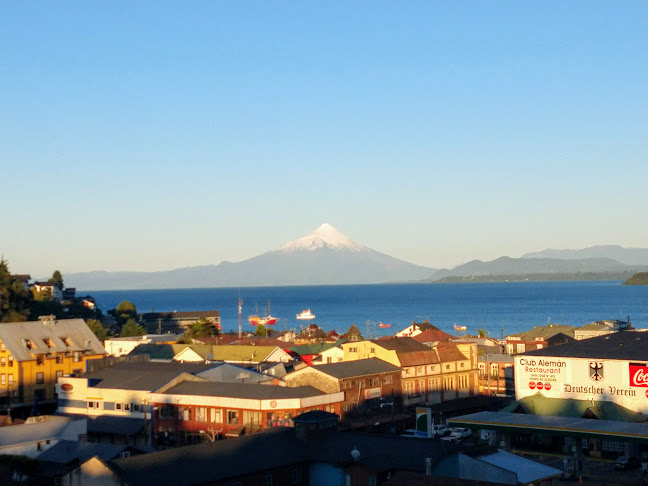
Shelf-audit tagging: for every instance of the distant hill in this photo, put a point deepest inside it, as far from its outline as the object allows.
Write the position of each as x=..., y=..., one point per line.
x=628, y=256
x=520, y=269
x=640, y=278
x=324, y=257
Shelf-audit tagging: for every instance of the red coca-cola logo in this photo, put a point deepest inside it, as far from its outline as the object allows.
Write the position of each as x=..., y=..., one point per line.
x=532, y=385
x=638, y=374
x=66, y=387
x=539, y=385
x=547, y=386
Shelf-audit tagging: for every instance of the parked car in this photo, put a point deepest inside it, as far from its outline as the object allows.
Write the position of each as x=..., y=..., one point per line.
x=627, y=462
x=440, y=430
x=460, y=433
x=411, y=433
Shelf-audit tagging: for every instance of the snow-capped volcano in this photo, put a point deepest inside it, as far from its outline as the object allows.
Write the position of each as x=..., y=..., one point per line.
x=324, y=257
x=324, y=236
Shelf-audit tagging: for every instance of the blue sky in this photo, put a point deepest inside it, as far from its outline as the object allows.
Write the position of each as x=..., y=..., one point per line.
x=154, y=135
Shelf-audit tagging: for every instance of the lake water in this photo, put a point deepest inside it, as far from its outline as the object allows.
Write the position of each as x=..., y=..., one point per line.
x=497, y=307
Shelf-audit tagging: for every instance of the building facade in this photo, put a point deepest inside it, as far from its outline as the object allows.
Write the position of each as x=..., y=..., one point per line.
x=34, y=354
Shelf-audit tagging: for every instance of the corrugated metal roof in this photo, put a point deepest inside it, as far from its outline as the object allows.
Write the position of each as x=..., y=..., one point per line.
x=527, y=471
x=418, y=358
x=402, y=344
x=80, y=338
x=623, y=345
x=242, y=390
x=360, y=367
x=52, y=428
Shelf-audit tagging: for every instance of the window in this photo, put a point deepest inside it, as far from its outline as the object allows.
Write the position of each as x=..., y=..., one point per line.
x=420, y=385
x=77, y=357
x=94, y=405
x=232, y=417
x=201, y=414
x=40, y=378
x=346, y=384
x=3, y=347
x=3, y=361
x=127, y=407
x=124, y=454
x=10, y=360
x=216, y=415
x=66, y=341
x=185, y=414
x=353, y=350
x=3, y=379
x=447, y=367
x=28, y=343
x=40, y=361
x=10, y=378
x=387, y=379
x=372, y=350
x=267, y=480
x=463, y=364
x=419, y=370
x=48, y=342
x=59, y=359
x=118, y=406
x=374, y=381
x=137, y=407
x=59, y=373
x=166, y=411
x=408, y=387
x=329, y=360
x=297, y=476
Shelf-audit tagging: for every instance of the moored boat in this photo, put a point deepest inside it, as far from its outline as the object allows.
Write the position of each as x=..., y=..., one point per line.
x=382, y=324
x=306, y=315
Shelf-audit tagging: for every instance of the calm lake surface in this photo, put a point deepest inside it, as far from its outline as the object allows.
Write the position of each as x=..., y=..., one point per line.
x=497, y=307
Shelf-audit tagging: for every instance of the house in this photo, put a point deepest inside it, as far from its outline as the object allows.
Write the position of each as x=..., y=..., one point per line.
x=432, y=336
x=367, y=384
x=429, y=375
x=69, y=293
x=312, y=354
x=496, y=374
x=538, y=338
x=485, y=345
x=177, y=322
x=24, y=279
x=353, y=334
x=38, y=434
x=183, y=409
x=416, y=328
x=33, y=354
x=122, y=346
x=600, y=328
x=49, y=290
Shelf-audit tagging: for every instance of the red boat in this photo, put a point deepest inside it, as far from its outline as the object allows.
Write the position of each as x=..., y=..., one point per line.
x=262, y=321
x=383, y=325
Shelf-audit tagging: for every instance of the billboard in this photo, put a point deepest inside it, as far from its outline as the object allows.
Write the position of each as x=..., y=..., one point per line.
x=423, y=422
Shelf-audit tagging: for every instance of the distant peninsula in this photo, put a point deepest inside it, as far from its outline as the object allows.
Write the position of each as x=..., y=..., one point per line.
x=537, y=277
x=640, y=278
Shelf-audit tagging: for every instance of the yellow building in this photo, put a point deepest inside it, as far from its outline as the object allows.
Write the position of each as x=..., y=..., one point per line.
x=33, y=354
x=430, y=375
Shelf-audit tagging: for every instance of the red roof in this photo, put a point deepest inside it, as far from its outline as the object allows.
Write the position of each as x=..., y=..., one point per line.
x=432, y=335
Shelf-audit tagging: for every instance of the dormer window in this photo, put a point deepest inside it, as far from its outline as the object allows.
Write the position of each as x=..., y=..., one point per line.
x=48, y=342
x=28, y=343
x=66, y=341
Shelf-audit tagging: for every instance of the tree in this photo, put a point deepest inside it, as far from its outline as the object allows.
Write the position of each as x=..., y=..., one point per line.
x=482, y=333
x=123, y=312
x=260, y=331
x=57, y=279
x=132, y=328
x=203, y=328
x=97, y=328
x=15, y=300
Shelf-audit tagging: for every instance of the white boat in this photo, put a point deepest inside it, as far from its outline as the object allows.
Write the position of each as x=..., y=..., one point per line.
x=306, y=315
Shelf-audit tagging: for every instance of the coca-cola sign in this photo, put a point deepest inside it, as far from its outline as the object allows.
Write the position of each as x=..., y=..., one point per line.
x=639, y=374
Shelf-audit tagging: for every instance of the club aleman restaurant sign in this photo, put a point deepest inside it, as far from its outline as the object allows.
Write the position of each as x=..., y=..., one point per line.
x=622, y=382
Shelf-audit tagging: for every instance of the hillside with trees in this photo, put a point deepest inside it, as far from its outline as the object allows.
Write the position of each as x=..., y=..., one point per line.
x=640, y=278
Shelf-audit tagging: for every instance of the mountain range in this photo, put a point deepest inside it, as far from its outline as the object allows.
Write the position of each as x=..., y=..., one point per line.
x=328, y=257
x=324, y=257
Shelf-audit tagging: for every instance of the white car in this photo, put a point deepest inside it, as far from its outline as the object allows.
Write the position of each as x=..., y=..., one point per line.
x=460, y=433
x=440, y=430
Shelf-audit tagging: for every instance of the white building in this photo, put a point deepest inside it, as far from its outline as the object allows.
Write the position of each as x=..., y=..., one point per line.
x=124, y=345
x=612, y=368
x=38, y=434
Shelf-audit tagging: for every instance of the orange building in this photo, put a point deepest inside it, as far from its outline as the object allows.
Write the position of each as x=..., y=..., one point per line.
x=33, y=354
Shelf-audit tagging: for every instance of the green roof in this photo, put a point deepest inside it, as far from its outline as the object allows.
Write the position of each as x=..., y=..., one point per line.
x=545, y=332
x=538, y=404
x=158, y=351
x=312, y=348
x=241, y=353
